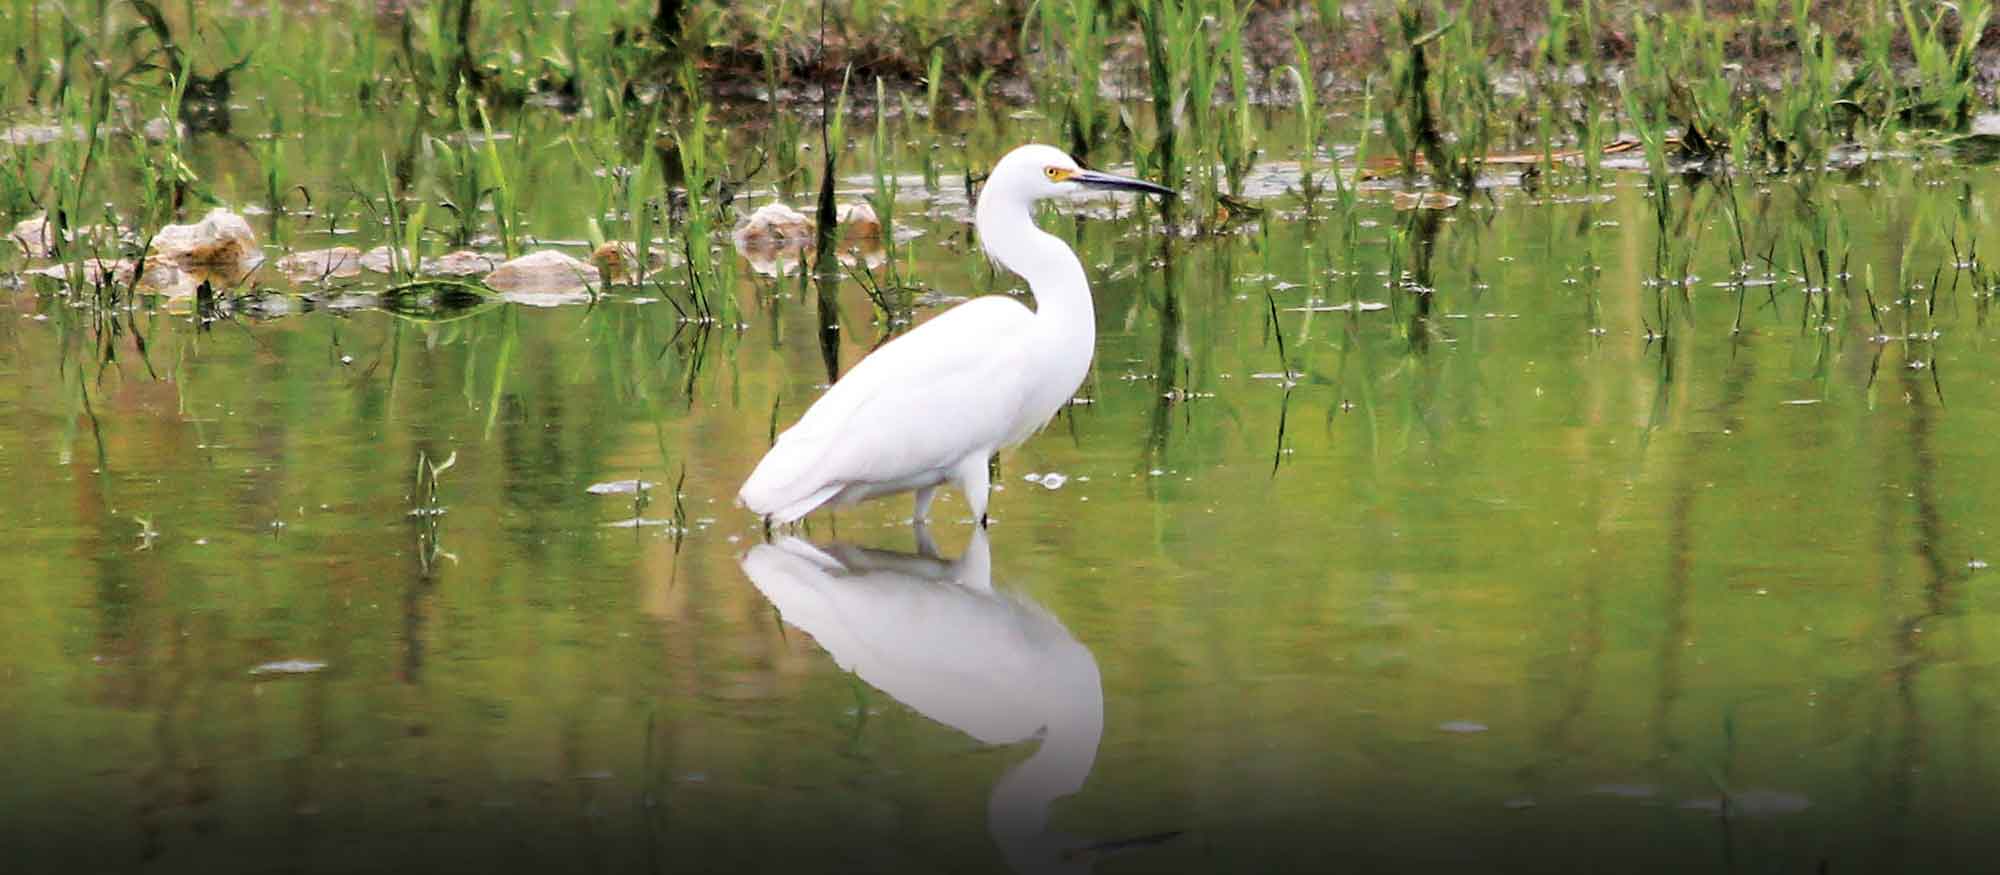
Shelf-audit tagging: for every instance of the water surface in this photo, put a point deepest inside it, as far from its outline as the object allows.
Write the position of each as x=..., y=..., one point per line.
x=1540, y=565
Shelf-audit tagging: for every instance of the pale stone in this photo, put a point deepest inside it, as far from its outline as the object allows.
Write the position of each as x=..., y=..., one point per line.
x=545, y=272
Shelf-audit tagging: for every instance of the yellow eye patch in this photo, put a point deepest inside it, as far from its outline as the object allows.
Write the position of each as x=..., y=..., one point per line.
x=1057, y=174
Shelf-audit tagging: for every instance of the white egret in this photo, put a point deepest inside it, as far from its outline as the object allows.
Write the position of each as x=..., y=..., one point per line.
x=938, y=637
x=933, y=405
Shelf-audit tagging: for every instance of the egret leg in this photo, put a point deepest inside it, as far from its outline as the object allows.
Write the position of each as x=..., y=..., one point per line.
x=926, y=545
x=971, y=479
x=924, y=497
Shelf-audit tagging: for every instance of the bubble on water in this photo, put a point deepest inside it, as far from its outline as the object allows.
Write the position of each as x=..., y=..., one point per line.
x=289, y=667
x=1348, y=307
x=619, y=487
x=1751, y=803
x=641, y=523
x=1052, y=480
x=1625, y=791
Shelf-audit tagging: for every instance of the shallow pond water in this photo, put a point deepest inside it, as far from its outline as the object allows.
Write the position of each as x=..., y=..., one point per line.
x=1491, y=575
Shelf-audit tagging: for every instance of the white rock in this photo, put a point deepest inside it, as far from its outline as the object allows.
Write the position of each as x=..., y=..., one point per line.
x=771, y=223
x=859, y=220
x=464, y=262
x=222, y=241
x=542, y=273
x=35, y=236
x=318, y=264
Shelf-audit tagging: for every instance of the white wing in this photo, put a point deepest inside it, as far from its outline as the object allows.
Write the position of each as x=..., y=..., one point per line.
x=953, y=386
x=992, y=665
x=938, y=638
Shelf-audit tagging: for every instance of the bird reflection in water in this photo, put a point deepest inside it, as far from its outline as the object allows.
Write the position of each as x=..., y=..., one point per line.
x=936, y=635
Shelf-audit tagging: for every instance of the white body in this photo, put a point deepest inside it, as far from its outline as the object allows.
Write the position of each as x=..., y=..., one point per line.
x=937, y=637
x=933, y=405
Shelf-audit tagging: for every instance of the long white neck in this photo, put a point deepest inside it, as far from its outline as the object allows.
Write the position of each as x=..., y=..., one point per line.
x=1062, y=292
x=1017, y=812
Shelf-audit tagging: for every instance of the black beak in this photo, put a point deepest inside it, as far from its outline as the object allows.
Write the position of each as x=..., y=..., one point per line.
x=1100, y=850
x=1094, y=179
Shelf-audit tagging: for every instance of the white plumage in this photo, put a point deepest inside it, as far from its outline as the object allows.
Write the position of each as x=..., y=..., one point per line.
x=939, y=638
x=933, y=405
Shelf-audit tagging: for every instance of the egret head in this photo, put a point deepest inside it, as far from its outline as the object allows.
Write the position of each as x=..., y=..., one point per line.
x=1035, y=172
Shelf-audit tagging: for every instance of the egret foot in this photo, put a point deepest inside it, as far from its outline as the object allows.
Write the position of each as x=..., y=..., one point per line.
x=971, y=478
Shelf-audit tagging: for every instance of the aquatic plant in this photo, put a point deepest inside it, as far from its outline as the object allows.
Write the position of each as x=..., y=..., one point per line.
x=1643, y=91
x=167, y=179
x=1311, y=127
x=1442, y=115
x=1075, y=31
x=1192, y=49
x=403, y=231
x=882, y=166
x=461, y=176
x=1238, y=142
x=710, y=280
x=1942, y=91
x=428, y=515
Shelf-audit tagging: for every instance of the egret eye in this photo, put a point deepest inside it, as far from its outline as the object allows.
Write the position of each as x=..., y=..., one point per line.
x=1056, y=174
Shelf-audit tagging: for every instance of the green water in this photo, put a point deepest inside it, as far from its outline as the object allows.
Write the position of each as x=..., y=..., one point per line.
x=1496, y=580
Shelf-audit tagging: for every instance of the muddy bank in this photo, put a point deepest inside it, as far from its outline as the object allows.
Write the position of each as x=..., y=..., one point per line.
x=1000, y=47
